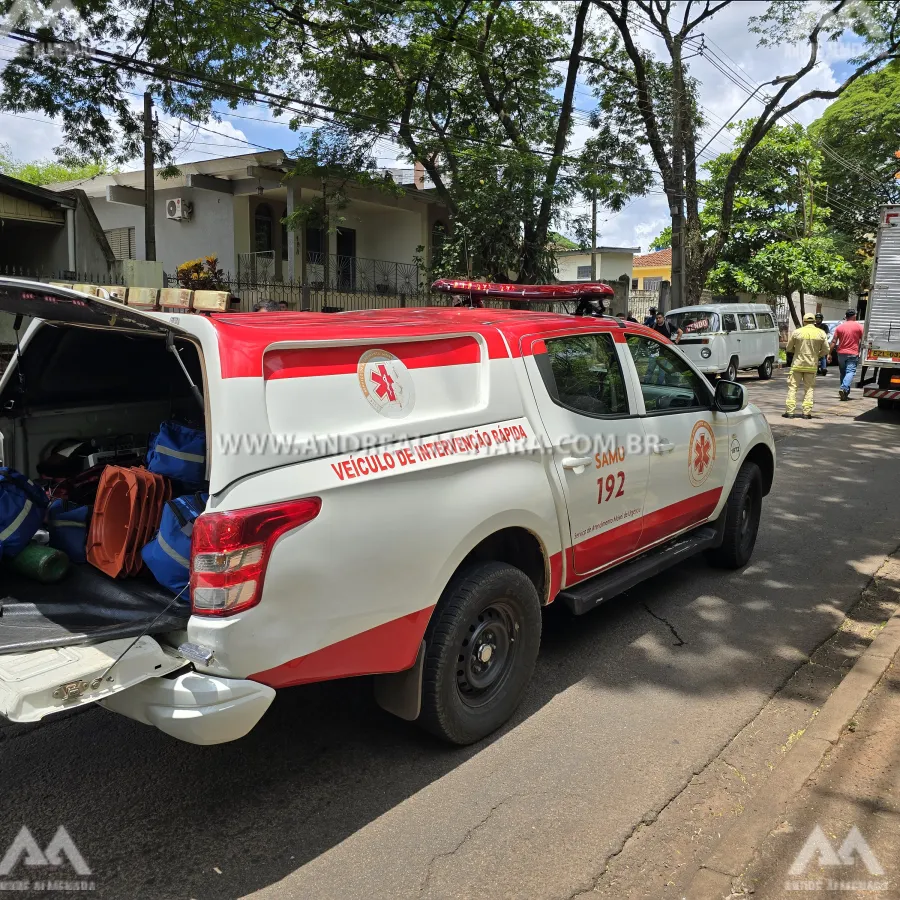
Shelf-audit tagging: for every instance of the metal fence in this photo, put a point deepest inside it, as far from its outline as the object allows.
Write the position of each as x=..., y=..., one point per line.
x=639, y=303
x=112, y=278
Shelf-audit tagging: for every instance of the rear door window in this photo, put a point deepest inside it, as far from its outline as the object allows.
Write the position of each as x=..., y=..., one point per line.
x=668, y=383
x=582, y=373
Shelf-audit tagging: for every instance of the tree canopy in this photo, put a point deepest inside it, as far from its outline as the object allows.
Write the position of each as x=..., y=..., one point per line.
x=781, y=239
x=859, y=134
x=50, y=171
x=481, y=92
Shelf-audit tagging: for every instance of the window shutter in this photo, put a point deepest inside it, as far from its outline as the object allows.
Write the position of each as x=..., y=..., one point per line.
x=121, y=242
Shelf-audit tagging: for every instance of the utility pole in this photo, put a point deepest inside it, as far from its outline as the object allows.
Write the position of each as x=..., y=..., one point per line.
x=676, y=193
x=594, y=234
x=149, y=220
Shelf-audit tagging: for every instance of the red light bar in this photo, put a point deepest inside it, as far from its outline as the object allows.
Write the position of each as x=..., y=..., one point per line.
x=540, y=292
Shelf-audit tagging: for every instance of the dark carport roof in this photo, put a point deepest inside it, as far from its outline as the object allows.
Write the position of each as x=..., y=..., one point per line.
x=25, y=191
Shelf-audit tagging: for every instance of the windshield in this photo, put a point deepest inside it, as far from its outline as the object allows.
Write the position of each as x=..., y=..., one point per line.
x=695, y=321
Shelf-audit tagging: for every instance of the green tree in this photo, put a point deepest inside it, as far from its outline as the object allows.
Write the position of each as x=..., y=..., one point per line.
x=50, y=171
x=859, y=134
x=471, y=89
x=781, y=240
x=663, y=240
x=673, y=140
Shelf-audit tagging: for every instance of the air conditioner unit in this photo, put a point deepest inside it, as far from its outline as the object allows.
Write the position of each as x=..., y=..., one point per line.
x=178, y=209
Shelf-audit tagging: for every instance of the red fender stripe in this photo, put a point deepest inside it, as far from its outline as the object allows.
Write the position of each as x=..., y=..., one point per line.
x=619, y=542
x=391, y=647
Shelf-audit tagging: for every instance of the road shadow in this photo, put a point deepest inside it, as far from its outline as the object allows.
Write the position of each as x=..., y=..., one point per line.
x=156, y=818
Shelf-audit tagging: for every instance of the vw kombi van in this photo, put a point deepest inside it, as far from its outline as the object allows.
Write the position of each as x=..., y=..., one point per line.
x=725, y=338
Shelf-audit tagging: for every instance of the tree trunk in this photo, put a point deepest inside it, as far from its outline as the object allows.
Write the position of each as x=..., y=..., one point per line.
x=790, y=302
x=802, y=301
x=694, y=275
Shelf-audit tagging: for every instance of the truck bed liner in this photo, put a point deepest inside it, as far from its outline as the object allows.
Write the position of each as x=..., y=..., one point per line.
x=86, y=607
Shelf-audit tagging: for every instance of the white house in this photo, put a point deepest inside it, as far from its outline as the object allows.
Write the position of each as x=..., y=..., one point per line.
x=233, y=207
x=612, y=264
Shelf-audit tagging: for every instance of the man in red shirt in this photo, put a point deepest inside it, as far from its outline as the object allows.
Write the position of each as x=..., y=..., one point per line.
x=845, y=340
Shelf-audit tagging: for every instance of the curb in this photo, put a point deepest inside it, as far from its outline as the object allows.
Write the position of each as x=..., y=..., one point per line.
x=734, y=852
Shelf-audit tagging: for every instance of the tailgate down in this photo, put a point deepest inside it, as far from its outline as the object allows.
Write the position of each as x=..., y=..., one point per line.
x=42, y=682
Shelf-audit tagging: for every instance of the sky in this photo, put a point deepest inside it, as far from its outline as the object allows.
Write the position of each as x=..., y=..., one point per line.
x=727, y=35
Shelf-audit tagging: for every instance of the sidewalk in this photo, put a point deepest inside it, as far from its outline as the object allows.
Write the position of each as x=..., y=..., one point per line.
x=857, y=786
x=824, y=823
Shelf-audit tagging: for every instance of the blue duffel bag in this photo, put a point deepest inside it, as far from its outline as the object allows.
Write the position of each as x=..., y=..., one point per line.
x=178, y=452
x=68, y=523
x=22, y=506
x=168, y=555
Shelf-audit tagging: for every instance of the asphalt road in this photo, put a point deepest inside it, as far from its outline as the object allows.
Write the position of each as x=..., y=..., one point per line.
x=331, y=798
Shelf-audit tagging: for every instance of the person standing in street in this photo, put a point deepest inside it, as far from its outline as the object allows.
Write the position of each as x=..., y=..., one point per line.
x=823, y=362
x=650, y=319
x=805, y=347
x=661, y=326
x=846, y=341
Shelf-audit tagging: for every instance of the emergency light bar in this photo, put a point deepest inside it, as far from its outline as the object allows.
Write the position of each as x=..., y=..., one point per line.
x=523, y=292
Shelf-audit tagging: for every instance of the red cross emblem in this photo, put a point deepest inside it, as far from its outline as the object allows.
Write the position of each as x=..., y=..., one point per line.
x=385, y=384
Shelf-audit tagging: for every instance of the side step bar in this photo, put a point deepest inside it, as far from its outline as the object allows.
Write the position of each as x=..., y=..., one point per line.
x=583, y=597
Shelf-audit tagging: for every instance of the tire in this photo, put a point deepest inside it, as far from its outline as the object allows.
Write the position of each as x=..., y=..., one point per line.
x=742, y=514
x=730, y=374
x=489, y=608
x=765, y=370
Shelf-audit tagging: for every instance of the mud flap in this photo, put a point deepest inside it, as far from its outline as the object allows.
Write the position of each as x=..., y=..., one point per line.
x=400, y=693
x=42, y=682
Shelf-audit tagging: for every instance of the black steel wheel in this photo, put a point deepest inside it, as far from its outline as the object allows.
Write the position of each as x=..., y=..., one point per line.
x=765, y=370
x=743, y=512
x=730, y=373
x=481, y=647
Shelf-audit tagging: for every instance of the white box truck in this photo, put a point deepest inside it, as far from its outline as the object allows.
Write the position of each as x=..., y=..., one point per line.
x=880, y=349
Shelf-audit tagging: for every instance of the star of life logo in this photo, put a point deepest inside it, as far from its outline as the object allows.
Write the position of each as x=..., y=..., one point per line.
x=702, y=453
x=386, y=383
x=818, y=852
x=54, y=866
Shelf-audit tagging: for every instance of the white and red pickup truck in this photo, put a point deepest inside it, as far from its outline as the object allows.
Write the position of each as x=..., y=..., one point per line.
x=393, y=493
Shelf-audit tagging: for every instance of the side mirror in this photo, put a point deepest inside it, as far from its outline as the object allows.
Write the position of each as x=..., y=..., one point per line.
x=730, y=396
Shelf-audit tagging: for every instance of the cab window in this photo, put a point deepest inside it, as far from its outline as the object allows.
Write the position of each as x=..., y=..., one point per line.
x=748, y=323
x=582, y=373
x=668, y=383
x=729, y=323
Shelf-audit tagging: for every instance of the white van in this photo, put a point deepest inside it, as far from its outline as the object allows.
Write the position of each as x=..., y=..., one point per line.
x=723, y=338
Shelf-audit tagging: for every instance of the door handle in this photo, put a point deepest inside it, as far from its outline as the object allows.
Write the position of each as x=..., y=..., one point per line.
x=664, y=447
x=577, y=463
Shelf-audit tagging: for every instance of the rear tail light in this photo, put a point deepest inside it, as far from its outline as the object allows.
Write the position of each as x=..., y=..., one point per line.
x=230, y=552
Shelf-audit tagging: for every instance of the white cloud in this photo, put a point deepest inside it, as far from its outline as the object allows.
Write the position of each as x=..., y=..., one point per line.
x=29, y=138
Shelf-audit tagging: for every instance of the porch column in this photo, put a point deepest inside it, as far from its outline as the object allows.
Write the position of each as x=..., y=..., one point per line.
x=70, y=237
x=300, y=243
x=291, y=237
